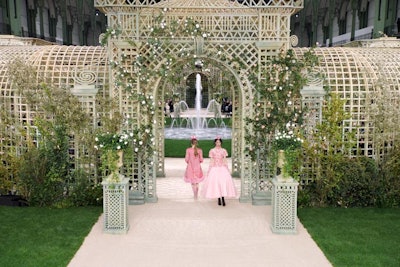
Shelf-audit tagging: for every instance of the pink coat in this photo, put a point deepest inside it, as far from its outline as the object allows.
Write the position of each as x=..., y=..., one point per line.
x=194, y=172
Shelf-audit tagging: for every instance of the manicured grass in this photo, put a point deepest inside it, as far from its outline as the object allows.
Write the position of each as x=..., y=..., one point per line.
x=348, y=237
x=176, y=148
x=32, y=236
x=357, y=236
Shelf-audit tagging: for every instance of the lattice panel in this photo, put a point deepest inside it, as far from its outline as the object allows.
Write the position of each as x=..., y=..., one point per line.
x=228, y=25
x=222, y=28
x=362, y=76
x=312, y=103
x=356, y=74
x=284, y=207
x=233, y=27
x=115, y=205
x=202, y=4
x=83, y=70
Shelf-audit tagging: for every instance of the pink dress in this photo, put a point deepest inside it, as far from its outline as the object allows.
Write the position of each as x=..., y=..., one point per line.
x=193, y=173
x=218, y=182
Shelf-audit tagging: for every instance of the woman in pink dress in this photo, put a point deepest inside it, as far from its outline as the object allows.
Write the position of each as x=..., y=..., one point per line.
x=194, y=172
x=218, y=183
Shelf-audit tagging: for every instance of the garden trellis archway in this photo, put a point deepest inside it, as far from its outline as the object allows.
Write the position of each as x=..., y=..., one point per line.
x=359, y=75
x=151, y=36
x=236, y=91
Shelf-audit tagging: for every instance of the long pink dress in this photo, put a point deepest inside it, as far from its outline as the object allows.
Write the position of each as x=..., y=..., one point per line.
x=218, y=182
x=194, y=172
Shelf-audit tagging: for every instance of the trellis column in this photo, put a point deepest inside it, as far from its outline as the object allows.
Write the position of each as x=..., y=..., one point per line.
x=312, y=100
x=284, y=206
x=115, y=206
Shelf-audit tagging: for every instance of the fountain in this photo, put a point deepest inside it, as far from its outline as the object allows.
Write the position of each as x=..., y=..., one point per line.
x=205, y=124
x=198, y=101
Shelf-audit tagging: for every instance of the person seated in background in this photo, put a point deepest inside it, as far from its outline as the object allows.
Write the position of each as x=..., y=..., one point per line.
x=229, y=109
x=223, y=104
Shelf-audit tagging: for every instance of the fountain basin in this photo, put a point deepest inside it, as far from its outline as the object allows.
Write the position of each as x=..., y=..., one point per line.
x=183, y=133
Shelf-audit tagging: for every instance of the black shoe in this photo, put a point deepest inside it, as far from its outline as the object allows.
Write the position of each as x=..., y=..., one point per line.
x=223, y=201
x=219, y=201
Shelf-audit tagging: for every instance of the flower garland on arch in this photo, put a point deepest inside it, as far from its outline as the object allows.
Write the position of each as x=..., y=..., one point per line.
x=277, y=108
x=129, y=72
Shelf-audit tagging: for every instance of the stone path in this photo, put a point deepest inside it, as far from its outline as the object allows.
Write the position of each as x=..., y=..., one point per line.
x=179, y=231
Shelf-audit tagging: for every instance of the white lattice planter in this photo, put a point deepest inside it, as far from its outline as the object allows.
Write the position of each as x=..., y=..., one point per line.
x=284, y=206
x=115, y=206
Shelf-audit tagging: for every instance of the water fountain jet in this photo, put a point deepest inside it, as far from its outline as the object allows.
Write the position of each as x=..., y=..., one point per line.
x=187, y=123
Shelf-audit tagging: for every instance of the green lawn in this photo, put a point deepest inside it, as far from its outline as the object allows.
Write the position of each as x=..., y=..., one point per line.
x=348, y=237
x=176, y=148
x=357, y=236
x=43, y=237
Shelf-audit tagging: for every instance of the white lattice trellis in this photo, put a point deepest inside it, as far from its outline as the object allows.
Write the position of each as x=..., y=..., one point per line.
x=115, y=206
x=240, y=35
x=284, y=207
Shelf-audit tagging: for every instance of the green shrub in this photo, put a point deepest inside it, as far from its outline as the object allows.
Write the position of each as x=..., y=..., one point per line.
x=360, y=183
x=357, y=188
x=84, y=192
x=41, y=186
x=388, y=185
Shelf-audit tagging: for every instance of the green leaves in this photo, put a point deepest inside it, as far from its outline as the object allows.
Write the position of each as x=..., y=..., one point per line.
x=112, y=141
x=286, y=141
x=277, y=107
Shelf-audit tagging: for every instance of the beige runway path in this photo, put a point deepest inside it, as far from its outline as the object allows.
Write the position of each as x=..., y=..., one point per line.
x=178, y=231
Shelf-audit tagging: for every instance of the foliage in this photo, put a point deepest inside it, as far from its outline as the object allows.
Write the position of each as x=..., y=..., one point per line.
x=388, y=184
x=112, y=141
x=328, y=148
x=8, y=173
x=277, y=107
x=110, y=33
x=358, y=186
x=42, y=174
x=83, y=191
x=383, y=114
x=291, y=149
x=361, y=183
x=44, y=168
x=286, y=141
x=292, y=166
x=141, y=71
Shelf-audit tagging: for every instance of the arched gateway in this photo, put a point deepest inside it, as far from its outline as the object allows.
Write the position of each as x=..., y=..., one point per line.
x=158, y=43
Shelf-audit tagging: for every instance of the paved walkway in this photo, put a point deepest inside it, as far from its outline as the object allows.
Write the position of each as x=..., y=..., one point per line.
x=178, y=231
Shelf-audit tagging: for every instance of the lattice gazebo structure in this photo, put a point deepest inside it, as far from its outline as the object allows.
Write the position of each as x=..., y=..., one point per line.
x=238, y=36
x=248, y=31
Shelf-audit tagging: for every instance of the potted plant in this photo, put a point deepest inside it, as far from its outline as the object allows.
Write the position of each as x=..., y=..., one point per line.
x=288, y=149
x=112, y=146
